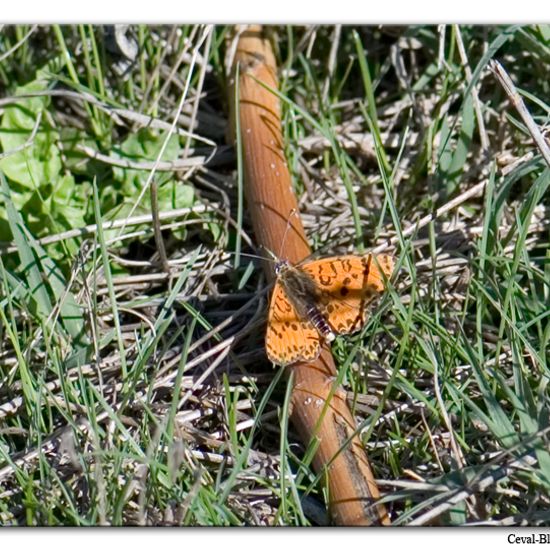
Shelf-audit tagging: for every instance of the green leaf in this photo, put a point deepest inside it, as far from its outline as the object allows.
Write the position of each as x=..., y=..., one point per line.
x=174, y=194
x=71, y=139
x=40, y=162
x=454, y=149
x=143, y=146
x=464, y=138
x=69, y=202
x=171, y=196
x=42, y=275
x=444, y=153
x=544, y=31
x=29, y=264
x=35, y=165
x=121, y=212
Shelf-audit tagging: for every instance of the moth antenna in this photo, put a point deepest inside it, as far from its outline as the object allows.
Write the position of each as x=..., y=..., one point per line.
x=288, y=226
x=271, y=257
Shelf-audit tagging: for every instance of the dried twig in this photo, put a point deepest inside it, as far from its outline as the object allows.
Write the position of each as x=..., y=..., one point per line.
x=159, y=241
x=18, y=44
x=216, y=155
x=506, y=82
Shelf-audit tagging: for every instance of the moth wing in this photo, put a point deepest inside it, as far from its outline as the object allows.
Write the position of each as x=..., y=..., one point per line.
x=288, y=338
x=346, y=286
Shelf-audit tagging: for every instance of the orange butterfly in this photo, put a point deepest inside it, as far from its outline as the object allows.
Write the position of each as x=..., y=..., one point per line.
x=316, y=300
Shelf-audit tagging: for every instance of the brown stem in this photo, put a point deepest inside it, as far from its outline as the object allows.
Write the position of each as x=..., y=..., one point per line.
x=156, y=227
x=340, y=457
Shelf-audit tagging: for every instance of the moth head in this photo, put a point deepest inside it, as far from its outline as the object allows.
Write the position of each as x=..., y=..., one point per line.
x=280, y=266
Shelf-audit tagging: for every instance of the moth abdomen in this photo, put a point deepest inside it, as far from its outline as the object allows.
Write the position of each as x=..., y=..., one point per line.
x=320, y=323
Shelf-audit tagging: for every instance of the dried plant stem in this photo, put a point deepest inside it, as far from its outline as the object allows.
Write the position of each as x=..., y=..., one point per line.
x=425, y=220
x=320, y=414
x=511, y=91
x=156, y=227
x=161, y=166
